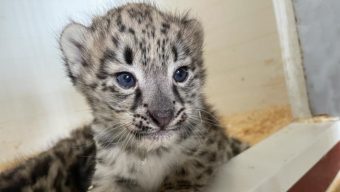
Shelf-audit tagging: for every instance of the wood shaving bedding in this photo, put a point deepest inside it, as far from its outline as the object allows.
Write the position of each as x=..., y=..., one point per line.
x=254, y=126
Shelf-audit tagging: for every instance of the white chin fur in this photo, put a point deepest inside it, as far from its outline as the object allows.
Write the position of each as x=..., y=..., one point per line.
x=156, y=141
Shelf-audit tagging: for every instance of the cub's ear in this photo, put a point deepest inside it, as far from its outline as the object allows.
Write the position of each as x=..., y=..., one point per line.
x=193, y=33
x=73, y=46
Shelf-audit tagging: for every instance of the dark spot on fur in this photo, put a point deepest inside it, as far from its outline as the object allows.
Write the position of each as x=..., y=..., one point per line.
x=131, y=31
x=179, y=111
x=176, y=93
x=209, y=171
x=79, y=46
x=41, y=169
x=137, y=100
x=184, y=183
x=93, y=86
x=198, y=164
x=59, y=154
x=58, y=181
x=220, y=145
x=128, y=55
x=212, y=157
x=179, y=36
x=199, y=177
x=102, y=76
x=122, y=28
x=109, y=55
x=175, y=53
x=115, y=41
x=236, y=146
x=164, y=28
x=166, y=25
x=70, y=75
x=210, y=141
x=182, y=172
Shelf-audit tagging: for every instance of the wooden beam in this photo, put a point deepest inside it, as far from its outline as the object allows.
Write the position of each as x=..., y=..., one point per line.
x=292, y=58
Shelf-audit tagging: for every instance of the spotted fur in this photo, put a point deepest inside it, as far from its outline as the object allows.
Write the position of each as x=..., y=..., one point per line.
x=67, y=167
x=135, y=149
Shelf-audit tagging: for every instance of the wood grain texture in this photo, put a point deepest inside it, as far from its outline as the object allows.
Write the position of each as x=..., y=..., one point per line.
x=292, y=58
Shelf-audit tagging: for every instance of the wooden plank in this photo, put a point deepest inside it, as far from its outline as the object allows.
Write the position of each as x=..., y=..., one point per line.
x=335, y=185
x=292, y=58
x=320, y=176
x=279, y=161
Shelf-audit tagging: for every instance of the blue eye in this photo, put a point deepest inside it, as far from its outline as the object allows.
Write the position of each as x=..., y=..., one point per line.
x=126, y=80
x=181, y=74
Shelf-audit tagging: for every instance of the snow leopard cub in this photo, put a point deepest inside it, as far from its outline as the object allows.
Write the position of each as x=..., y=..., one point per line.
x=142, y=72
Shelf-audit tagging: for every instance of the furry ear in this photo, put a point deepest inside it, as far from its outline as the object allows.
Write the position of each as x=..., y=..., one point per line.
x=193, y=33
x=73, y=45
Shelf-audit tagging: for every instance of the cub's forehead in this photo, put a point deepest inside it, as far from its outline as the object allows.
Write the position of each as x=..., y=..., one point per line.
x=139, y=34
x=140, y=20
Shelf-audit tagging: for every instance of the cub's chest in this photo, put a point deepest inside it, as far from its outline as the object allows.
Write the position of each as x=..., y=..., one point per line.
x=147, y=172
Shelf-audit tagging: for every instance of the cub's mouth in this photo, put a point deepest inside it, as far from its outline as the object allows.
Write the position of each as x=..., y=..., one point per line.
x=158, y=134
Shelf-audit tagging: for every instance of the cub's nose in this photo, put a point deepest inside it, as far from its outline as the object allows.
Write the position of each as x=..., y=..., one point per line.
x=161, y=117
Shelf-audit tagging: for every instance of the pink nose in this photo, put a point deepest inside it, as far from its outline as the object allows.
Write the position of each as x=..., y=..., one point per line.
x=161, y=117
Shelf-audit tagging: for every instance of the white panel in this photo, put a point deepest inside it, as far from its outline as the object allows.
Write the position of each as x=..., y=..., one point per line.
x=279, y=161
x=38, y=103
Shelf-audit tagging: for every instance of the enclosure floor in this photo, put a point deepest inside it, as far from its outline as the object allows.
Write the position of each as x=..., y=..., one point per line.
x=254, y=126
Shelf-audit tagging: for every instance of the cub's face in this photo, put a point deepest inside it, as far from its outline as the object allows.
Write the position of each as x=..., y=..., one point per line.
x=141, y=71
